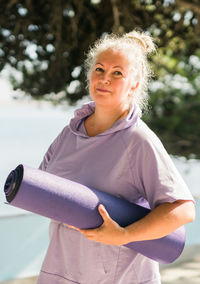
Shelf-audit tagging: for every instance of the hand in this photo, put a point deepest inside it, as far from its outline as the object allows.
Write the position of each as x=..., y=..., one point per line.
x=109, y=233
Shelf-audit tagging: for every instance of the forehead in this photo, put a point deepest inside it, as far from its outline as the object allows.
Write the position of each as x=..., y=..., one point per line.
x=113, y=58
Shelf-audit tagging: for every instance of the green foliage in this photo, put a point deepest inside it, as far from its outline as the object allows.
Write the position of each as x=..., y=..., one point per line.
x=46, y=42
x=175, y=101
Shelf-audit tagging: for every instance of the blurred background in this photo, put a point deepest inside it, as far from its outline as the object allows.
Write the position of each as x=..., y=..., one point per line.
x=42, y=50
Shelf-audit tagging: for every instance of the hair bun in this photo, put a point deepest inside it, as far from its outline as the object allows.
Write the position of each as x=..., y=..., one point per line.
x=143, y=39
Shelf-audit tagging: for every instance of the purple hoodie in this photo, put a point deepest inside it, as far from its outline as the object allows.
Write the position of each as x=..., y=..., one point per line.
x=127, y=160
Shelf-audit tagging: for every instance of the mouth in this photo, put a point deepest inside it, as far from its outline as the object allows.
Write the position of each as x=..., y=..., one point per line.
x=102, y=90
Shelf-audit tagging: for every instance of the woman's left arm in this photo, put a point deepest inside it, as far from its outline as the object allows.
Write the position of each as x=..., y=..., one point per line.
x=161, y=221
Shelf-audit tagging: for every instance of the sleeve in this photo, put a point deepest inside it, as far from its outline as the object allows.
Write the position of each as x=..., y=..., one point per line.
x=51, y=150
x=156, y=176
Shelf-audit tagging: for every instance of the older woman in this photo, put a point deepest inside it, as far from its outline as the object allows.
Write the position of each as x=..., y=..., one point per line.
x=107, y=146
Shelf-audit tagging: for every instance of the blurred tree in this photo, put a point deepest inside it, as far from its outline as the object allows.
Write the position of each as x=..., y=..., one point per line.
x=175, y=104
x=46, y=40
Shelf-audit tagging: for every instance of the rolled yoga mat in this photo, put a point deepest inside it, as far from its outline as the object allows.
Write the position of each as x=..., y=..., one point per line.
x=75, y=204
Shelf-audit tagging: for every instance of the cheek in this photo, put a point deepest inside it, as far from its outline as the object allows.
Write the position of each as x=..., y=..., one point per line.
x=129, y=84
x=92, y=84
x=93, y=79
x=124, y=85
x=91, y=88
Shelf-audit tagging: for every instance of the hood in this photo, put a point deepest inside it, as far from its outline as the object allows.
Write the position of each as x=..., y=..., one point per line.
x=88, y=108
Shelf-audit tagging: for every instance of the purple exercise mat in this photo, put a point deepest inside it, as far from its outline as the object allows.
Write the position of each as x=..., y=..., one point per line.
x=73, y=203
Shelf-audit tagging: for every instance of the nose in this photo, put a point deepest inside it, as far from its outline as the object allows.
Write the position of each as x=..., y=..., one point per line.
x=105, y=79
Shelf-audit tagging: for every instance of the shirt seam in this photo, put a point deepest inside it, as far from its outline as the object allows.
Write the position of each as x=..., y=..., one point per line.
x=128, y=158
x=115, y=274
x=58, y=275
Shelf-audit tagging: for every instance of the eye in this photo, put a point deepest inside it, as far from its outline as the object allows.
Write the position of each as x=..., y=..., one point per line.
x=99, y=69
x=118, y=73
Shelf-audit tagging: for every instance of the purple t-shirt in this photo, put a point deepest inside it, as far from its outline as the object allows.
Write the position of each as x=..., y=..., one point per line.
x=127, y=160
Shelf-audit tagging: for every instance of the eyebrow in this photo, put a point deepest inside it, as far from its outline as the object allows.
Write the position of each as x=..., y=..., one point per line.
x=117, y=66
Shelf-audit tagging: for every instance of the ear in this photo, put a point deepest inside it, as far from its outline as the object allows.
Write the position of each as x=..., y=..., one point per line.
x=135, y=86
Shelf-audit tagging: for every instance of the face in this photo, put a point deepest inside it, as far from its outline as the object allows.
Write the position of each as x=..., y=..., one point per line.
x=111, y=81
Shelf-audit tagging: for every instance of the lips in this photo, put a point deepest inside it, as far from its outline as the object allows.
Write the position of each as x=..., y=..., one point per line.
x=102, y=90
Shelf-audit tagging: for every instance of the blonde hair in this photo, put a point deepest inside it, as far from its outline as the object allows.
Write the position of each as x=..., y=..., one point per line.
x=136, y=46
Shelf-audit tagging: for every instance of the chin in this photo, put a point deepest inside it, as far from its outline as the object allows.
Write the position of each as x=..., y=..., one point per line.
x=100, y=97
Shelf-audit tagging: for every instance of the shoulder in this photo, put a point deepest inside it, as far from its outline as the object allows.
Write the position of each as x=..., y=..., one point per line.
x=142, y=136
x=61, y=137
x=65, y=131
x=143, y=144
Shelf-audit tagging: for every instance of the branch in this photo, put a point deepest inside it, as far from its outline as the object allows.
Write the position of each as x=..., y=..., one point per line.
x=11, y=3
x=115, y=10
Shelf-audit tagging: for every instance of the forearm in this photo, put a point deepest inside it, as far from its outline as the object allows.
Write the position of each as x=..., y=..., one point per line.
x=161, y=221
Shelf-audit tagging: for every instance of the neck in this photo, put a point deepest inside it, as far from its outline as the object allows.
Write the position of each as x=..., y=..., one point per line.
x=108, y=116
x=103, y=118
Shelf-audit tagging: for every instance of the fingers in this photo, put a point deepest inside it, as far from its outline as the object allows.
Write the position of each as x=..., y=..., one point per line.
x=109, y=232
x=72, y=227
x=104, y=214
x=89, y=233
x=97, y=234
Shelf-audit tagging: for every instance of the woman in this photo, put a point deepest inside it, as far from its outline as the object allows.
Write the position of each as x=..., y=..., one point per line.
x=108, y=147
